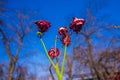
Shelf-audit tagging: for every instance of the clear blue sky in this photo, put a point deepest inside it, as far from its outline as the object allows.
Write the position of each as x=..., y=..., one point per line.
x=60, y=13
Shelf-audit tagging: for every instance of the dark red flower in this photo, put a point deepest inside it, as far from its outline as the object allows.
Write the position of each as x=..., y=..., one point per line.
x=42, y=25
x=54, y=52
x=63, y=31
x=76, y=24
x=66, y=40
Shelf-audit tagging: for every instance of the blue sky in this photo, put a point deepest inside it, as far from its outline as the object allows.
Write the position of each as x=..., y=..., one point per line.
x=60, y=13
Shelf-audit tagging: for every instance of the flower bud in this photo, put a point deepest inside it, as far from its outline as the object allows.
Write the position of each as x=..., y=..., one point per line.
x=54, y=52
x=42, y=25
x=76, y=24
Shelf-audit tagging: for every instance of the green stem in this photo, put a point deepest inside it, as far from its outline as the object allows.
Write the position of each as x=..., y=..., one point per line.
x=58, y=72
x=51, y=61
x=56, y=67
x=63, y=63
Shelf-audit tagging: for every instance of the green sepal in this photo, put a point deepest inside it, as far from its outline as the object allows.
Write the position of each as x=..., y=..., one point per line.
x=39, y=33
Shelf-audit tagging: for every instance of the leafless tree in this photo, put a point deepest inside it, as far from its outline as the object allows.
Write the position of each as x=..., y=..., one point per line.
x=90, y=55
x=19, y=30
x=93, y=57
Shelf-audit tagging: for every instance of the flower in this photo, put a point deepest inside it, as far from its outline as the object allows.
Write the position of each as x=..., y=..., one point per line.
x=76, y=24
x=42, y=25
x=53, y=52
x=63, y=31
x=66, y=40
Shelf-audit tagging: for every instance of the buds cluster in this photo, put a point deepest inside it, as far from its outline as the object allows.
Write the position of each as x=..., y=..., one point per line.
x=63, y=31
x=75, y=25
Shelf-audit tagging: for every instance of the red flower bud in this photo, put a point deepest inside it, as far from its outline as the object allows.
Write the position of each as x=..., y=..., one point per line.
x=42, y=25
x=66, y=40
x=63, y=31
x=76, y=24
x=54, y=52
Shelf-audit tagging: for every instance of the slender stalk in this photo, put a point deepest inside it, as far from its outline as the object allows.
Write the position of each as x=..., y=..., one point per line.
x=51, y=72
x=59, y=75
x=55, y=41
x=63, y=62
x=51, y=61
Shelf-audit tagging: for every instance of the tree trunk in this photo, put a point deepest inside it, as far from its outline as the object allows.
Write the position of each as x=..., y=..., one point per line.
x=91, y=59
x=70, y=75
x=11, y=69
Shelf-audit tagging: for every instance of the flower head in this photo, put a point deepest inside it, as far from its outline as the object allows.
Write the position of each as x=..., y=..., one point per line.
x=76, y=24
x=54, y=52
x=42, y=25
x=66, y=40
x=63, y=31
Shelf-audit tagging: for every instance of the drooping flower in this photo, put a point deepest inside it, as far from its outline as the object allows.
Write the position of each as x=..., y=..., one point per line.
x=63, y=31
x=76, y=24
x=66, y=40
x=42, y=25
x=53, y=52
